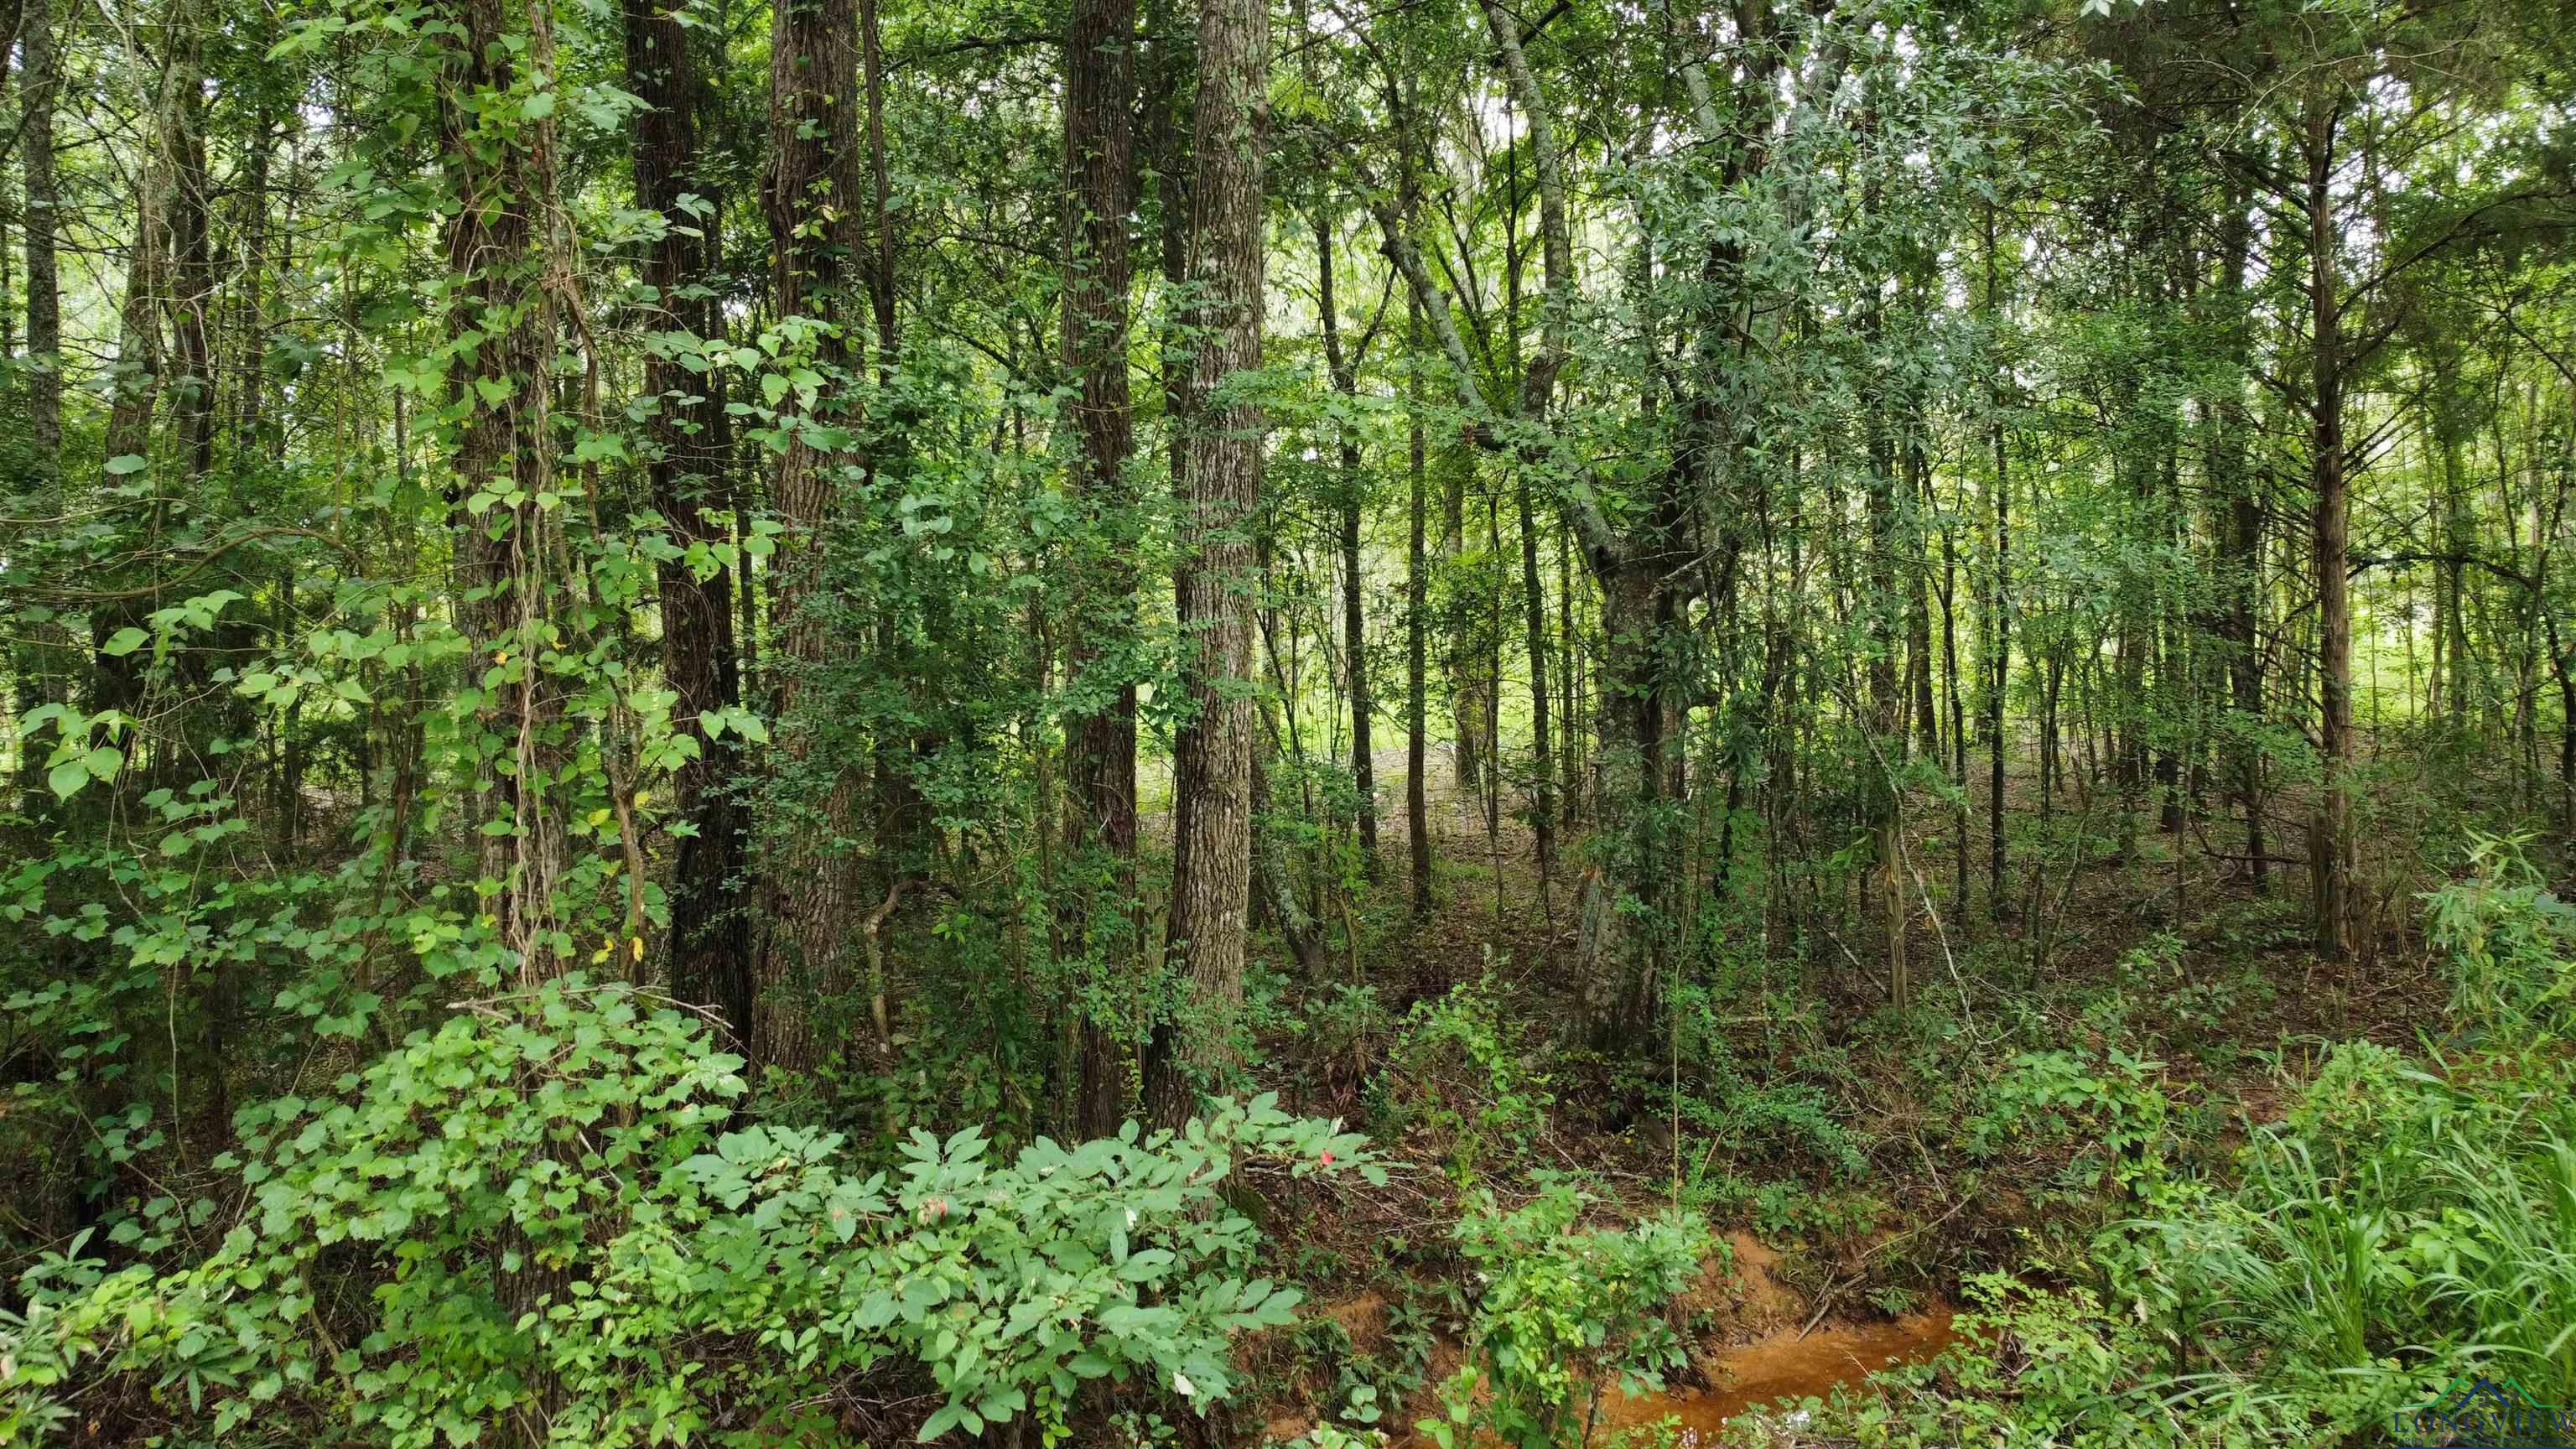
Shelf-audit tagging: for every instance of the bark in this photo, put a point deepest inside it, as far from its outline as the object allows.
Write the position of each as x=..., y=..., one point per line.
x=159, y=217
x=41, y=56
x=1417, y=807
x=1217, y=577
x=689, y=440
x=1888, y=715
x=1537, y=390
x=2330, y=832
x=1620, y=936
x=815, y=198
x=1100, y=816
x=1998, y=614
x=503, y=443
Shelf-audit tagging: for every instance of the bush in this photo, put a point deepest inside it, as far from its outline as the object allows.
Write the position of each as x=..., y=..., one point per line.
x=558, y=1230
x=1562, y=1311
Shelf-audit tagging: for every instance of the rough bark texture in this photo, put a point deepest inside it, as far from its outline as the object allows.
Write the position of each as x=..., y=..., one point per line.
x=690, y=440
x=1212, y=766
x=1100, y=766
x=816, y=201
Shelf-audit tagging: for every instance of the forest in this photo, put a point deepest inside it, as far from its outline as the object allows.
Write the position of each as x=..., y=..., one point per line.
x=1288, y=724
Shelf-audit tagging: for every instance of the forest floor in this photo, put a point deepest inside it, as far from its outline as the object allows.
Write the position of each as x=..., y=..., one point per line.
x=1852, y=1159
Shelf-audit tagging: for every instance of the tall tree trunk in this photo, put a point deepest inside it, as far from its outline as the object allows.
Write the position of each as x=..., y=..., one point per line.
x=1542, y=766
x=1998, y=608
x=689, y=439
x=1100, y=818
x=1212, y=764
x=1888, y=714
x=159, y=212
x=1354, y=496
x=1537, y=390
x=2242, y=571
x=1417, y=805
x=1621, y=936
x=40, y=54
x=2330, y=833
x=815, y=198
x=498, y=167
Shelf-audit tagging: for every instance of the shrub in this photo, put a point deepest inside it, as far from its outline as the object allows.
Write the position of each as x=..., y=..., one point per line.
x=559, y=1230
x=1562, y=1310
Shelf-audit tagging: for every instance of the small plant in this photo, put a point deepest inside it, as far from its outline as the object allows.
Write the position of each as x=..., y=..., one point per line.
x=2113, y=1103
x=1563, y=1311
x=2508, y=940
x=1459, y=1072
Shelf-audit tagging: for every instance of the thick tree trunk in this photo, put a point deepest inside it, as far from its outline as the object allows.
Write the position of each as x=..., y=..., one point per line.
x=504, y=440
x=1212, y=765
x=1100, y=816
x=815, y=198
x=689, y=441
x=1622, y=911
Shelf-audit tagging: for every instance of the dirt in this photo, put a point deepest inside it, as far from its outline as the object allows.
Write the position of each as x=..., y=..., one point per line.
x=1785, y=1359
x=1782, y=1366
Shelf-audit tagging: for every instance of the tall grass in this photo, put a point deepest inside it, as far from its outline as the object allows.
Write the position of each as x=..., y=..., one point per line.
x=2413, y=1218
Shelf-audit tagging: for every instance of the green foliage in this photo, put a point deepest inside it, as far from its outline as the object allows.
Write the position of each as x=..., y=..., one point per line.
x=2112, y=1103
x=2510, y=942
x=555, y=1222
x=1562, y=1312
x=2402, y=1224
x=1463, y=1071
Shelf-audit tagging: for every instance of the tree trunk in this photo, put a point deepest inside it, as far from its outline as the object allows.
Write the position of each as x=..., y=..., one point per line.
x=2329, y=835
x=1621, y=939
x=1100, y=816
x=40, y=54
x=1217, y=575
x=1537, y=390
x=1998, y=613
x=498, y=169
x=1417, y=806
x=1344, y=369
x=689, y=441
x=815, y=198
x=2242, y=570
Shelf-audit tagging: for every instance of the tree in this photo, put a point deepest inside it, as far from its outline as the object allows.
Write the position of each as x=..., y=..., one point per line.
x=1215, y=581
x=1100, y=190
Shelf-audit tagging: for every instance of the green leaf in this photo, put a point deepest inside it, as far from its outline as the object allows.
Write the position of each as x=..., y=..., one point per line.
x=124, y=463
x=123, y=642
